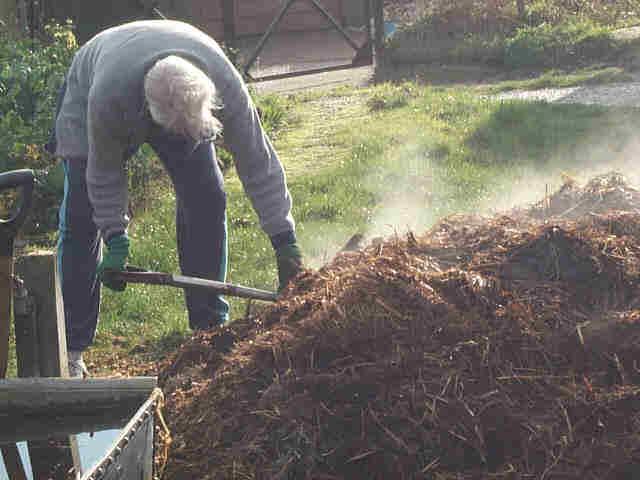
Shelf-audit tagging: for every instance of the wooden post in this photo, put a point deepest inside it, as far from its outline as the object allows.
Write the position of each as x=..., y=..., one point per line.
x=522, y=9
x=39, y=272
x=41, y=349
x=378, y=31
x=6, y=288
x=26, y=332
x=229, y=19
x=9, y=15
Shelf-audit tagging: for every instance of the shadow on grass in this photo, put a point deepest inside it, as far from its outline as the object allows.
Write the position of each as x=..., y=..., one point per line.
x=541, y=134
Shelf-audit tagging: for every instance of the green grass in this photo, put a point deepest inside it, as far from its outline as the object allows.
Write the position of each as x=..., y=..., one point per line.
x=559, y=79
x=375, y=161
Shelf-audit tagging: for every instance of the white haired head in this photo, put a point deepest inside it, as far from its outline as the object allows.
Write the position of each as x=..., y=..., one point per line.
x=181, y=98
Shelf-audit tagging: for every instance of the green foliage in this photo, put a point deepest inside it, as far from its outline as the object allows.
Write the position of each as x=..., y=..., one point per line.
x=604, y=12
x=389, y=97
x=273, y=112
x=31, y=72
x=463, y=16
x=571, y=42
x=480, y=48
x=546, y=33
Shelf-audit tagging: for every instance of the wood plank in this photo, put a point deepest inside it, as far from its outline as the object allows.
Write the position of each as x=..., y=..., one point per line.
x=37, y=395
x=32, y=428
x=26, y=333
x=378, y=31
x=40, y=274
x=6, y=287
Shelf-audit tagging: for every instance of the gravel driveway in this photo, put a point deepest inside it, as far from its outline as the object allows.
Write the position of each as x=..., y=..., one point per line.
x=614, y=94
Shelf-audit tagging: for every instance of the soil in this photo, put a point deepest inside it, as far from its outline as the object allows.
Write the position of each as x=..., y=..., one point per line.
x=501, y=347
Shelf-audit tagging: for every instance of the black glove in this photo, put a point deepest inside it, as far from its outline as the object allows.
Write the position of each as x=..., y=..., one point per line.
x=289, y=259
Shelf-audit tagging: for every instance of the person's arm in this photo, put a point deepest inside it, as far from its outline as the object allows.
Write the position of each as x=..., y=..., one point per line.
x=259, y=168
x=106, y=175
x=264, y=181
x=107, y=184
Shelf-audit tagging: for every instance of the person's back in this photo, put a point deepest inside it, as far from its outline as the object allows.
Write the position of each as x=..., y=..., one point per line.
x=110, y=69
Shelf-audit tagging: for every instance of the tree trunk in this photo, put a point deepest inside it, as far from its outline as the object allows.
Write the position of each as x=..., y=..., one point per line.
x=521, y=9
x=9, y=15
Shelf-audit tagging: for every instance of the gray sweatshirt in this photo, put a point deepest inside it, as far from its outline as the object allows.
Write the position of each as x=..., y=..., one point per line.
x=102, y=118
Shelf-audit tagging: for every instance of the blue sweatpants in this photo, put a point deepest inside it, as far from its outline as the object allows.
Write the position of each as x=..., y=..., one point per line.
x=201, y=236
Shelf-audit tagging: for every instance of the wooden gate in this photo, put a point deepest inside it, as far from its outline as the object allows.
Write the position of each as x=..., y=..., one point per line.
x=251, y=25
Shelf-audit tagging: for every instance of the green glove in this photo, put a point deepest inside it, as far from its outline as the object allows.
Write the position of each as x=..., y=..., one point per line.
x=289, y=259
x=115, y=258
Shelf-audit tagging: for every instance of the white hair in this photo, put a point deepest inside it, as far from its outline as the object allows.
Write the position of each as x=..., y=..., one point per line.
x=181, y=98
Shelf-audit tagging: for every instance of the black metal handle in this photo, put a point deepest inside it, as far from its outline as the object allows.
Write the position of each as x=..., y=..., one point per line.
x=24, y=179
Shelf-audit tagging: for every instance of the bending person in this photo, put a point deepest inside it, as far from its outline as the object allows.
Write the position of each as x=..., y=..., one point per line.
x=168, y=84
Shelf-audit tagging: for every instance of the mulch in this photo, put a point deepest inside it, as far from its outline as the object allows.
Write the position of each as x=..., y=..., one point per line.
x=486, y=348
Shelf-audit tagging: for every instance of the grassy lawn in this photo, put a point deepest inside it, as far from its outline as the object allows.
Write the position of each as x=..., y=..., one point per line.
x=375, y=161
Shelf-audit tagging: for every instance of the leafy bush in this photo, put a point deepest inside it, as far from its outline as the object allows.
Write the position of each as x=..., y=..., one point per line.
x=31, y=71
x=604, y=12
x=470, y=16
x=518, y=33
x=549, y=45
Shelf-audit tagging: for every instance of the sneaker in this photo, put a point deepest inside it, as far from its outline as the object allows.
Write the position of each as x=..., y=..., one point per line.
x=77, y=367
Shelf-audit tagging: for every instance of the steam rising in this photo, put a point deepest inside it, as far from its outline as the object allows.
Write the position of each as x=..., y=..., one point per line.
x=421, y=190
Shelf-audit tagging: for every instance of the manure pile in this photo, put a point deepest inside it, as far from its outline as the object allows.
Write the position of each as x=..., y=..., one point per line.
x=488, y=348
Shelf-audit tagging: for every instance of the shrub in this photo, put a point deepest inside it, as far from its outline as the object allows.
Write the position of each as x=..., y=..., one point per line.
x=473, y=16
x=571, y=42
x=31, y=71
x=545, y=33
x=604, y=12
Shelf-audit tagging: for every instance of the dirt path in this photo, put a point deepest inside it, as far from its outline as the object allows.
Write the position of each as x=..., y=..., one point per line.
x=358, y=77
x=615, y=95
